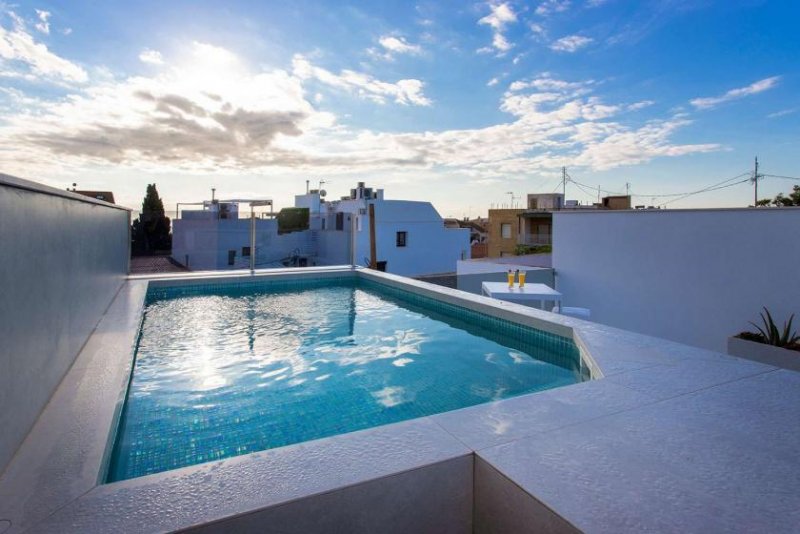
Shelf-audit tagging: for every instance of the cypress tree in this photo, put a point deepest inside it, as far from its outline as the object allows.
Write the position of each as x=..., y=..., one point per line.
x=150, y=233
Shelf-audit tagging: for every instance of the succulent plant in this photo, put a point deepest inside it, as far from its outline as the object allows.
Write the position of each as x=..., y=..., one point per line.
x=774, y=336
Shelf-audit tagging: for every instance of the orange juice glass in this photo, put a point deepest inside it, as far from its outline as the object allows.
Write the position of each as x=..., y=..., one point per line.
x=522, y=279
x=510, y=279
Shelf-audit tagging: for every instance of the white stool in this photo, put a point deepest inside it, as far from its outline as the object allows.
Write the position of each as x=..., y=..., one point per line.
x=572, y=311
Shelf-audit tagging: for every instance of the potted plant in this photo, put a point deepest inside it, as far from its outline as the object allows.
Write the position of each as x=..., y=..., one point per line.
x=771, y=345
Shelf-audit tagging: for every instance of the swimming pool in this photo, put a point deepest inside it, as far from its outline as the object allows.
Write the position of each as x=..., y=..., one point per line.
x=223, y=370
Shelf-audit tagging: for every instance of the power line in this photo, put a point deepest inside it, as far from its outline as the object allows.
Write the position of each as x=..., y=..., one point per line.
x=669, y=195
x=707, y=190
x=784, y=177
x=590, y=190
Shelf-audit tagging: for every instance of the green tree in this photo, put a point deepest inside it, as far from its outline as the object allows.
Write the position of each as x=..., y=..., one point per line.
x=150, y=232
x=780, y=201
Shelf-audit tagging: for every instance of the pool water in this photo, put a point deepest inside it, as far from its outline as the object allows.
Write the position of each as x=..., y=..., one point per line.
x=224, y=371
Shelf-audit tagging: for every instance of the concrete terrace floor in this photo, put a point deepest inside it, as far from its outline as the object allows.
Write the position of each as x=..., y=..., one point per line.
x=155, y=264
x=668, y=438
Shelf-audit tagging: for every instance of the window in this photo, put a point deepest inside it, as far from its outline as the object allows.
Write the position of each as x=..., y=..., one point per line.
x=323, y=223
x=401, y=238
x=245, y=252
x=505, y=230
x=231, y=257
x=340, y=221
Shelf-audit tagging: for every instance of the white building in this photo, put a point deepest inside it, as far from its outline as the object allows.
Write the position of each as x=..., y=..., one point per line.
x=410, y=236
x=214, y=238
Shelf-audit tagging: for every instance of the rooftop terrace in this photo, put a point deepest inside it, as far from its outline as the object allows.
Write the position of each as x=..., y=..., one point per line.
x=665, y=437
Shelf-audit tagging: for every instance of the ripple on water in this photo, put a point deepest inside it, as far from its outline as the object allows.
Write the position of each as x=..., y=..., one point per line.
x=220, y=375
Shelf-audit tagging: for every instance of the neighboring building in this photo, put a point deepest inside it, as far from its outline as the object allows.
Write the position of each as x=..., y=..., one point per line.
x=534, y=227
x=214, y=238
x=476, y=227
x=620, y=202
x=504, y=231
x=105, y=196
x=411, y=237
x=545, y=201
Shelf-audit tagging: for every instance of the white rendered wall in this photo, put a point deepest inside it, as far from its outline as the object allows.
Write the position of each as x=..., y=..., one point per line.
x=693, y=276
x=430, y=247
x=64, y=258
x=333, y=246
x=207, y=242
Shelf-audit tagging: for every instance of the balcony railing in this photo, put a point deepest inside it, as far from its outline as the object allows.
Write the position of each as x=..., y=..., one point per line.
x=535, y=239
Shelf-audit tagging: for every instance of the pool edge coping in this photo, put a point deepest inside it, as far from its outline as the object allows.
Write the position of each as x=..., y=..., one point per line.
x=515, y=312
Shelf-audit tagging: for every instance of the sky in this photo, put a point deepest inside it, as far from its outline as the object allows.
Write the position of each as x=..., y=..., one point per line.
x=459, y=103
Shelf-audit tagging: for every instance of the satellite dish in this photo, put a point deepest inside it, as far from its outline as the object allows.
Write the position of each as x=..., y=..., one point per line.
x=322, y=192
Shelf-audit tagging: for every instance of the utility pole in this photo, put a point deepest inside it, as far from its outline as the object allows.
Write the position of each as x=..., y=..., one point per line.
x=564, y=182
x=627, y=189
x=755, y=184
x=598, y=194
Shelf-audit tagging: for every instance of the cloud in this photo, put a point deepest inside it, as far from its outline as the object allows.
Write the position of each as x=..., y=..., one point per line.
x=734, y=94
x=22, y=56
x=548, y=7
x=494, y=81
x=501, y=14
x=782, y=113
x=637, y=146
x=152, y=57
x=399, y=45
x=391, y=46
x=216, y=113
x=538, y=30
x=636, y=106
x=408, y=91
x=199, y=116
x=546, y=82
x=43, y=25
x=570, y=43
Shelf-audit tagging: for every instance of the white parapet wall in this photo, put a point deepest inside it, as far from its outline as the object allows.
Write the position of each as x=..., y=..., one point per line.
x=64, y=258
x=693, y=276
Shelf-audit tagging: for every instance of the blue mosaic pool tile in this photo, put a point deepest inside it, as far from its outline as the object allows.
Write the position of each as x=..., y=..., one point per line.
x=226, y=369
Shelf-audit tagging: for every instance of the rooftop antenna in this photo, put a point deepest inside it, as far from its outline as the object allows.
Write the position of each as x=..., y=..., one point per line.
x=320, y=184
x=511, y=193
x=213, y=193
x=307, y=186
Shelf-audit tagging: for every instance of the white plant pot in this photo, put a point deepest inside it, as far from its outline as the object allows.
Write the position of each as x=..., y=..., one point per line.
x=766, y=354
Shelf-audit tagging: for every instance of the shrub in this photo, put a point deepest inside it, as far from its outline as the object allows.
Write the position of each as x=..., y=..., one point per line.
x=521, y=250
x=770, y=334
x=293, y=220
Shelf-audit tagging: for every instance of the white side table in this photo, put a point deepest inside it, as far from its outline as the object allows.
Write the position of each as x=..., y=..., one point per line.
x=539, y=292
